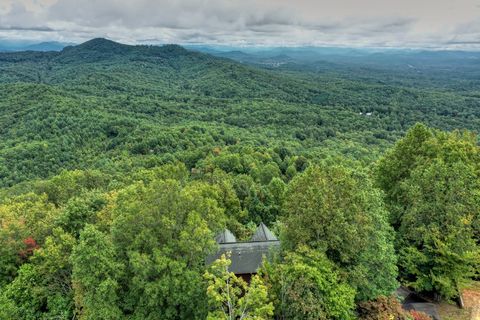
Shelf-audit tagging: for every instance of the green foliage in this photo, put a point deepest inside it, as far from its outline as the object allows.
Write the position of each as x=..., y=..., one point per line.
x=231, y=298
x=337, y=211
x=79, y=211
x=25, y=222
x=94, y=276
x=134, y=157
x=438, y=248
x=116, y=108
x=397, y=164
x=163, y=232
x=42, y=288
x=68, y=184
x=434, y=191
x=20, y=297
x=307, y=286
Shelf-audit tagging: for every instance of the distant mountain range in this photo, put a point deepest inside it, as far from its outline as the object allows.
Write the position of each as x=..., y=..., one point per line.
x=377, y=57
x=12, y=46
x=102, y=104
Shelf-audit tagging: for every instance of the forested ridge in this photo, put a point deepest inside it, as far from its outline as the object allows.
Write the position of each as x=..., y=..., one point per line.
x=119, y=164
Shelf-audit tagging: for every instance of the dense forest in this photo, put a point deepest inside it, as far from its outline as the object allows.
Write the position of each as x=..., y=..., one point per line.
x=119, y=164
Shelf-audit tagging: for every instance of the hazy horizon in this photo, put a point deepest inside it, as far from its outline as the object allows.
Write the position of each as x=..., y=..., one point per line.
x=271, y=23
x=31, y=44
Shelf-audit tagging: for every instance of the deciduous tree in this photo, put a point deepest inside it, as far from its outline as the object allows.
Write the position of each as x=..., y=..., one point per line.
x=231, y=298
x=431, y=179
x=337, y=211
x=94, y=277
x=306, y=286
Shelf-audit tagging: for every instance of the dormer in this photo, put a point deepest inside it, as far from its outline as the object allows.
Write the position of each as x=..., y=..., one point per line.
x=226, y=236
x=262, y=233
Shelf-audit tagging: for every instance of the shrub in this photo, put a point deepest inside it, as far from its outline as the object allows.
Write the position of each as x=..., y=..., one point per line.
x=383, y=308
x=417, y=315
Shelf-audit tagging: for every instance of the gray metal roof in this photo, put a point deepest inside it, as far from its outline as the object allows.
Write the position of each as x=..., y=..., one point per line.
x=225, y=237
x=263, y=234
x=246, y=257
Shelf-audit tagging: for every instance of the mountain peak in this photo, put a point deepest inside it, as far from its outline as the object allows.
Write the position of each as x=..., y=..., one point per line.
x=106, y=45
x=94, y=50
x=100, y=49
x=101, y=44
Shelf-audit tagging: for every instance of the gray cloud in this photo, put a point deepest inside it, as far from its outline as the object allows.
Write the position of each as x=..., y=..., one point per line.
x=463, y=42
x=20, y=28
x=243, y=22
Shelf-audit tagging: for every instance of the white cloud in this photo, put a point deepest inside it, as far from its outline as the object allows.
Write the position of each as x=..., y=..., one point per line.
x=277, y=22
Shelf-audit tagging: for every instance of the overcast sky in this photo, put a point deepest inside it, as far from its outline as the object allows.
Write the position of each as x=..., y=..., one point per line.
x=374, y=23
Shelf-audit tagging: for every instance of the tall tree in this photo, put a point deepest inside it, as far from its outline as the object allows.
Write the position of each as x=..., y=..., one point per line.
x=164, y=231
x=94, y=277
x=337, y=211
x=433, y=188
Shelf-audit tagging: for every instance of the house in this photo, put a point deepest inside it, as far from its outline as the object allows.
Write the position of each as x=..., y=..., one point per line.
x=246, y=256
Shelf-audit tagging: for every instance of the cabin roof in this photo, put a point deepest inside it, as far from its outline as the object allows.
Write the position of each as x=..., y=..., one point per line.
x=246, y=256
x=263, y=234
x=226, y=236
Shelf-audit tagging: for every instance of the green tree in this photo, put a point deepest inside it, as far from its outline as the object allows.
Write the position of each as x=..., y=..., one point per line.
x=12, y=236
x=231, y=298
x=94, y=276
x=25, y=222
x=80, y=210
x=42, y=288
x=264, y=174
x=70, y=183
x=306, y=286
x=264, y=202
x=338, y=211
x=21, y=296
x=177, y=171
x=163, y=231
x=436, y=238
x=236, y=216
x=431, y=179
x=421, y=144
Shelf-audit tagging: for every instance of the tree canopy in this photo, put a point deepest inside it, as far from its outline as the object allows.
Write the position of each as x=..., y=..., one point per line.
x=337, y=211
x=433, y=190
x=119, y=165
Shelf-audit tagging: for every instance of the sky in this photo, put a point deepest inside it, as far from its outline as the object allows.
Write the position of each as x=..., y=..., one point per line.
x=355, y=23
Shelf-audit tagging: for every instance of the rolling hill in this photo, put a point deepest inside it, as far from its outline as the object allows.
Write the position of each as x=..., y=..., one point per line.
x=119, y=164
x=106, y=105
